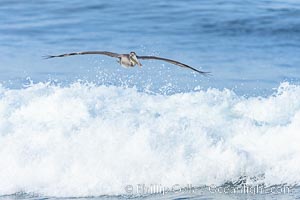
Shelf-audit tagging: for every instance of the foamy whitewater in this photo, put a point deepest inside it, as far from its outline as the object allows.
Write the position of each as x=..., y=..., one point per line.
x=84, y=139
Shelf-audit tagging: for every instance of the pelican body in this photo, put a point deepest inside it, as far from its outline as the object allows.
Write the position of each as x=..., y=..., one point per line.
x=131, y=59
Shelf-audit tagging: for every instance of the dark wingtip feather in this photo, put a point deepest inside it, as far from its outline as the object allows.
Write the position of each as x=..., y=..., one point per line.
x=206, y=73
x=48, y=56
x=202, y=72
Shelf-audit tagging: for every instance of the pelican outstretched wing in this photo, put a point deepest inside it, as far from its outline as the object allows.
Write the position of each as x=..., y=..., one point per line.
x=107, y=53
x=173, y=62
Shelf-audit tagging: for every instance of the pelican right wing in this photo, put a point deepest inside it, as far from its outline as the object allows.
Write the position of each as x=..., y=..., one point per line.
x=107, y=53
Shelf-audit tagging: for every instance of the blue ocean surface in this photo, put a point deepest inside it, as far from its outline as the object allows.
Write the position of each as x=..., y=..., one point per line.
x=85, y=127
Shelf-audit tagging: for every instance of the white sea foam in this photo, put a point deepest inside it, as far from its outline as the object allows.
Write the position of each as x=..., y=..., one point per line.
x=93, y=140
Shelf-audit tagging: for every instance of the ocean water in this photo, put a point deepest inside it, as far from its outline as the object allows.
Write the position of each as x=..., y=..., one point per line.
x=84, y=127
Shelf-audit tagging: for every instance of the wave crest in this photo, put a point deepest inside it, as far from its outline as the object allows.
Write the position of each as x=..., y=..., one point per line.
x=93, y=140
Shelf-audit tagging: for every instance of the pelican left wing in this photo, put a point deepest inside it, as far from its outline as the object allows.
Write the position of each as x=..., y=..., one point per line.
x=173, y=62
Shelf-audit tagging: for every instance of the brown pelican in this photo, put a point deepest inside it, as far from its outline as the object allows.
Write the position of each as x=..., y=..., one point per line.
x=130, y=60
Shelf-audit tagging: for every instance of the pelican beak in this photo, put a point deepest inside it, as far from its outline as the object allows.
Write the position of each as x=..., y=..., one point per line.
x=136, y=61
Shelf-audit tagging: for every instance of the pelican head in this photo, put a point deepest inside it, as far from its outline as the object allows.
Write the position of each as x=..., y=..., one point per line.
x=134, y=59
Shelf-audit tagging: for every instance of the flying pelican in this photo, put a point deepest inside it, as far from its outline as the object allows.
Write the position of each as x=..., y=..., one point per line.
x=131, y=59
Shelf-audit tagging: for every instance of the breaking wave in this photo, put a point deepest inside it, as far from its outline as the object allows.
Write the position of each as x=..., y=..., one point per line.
x=84, y=139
